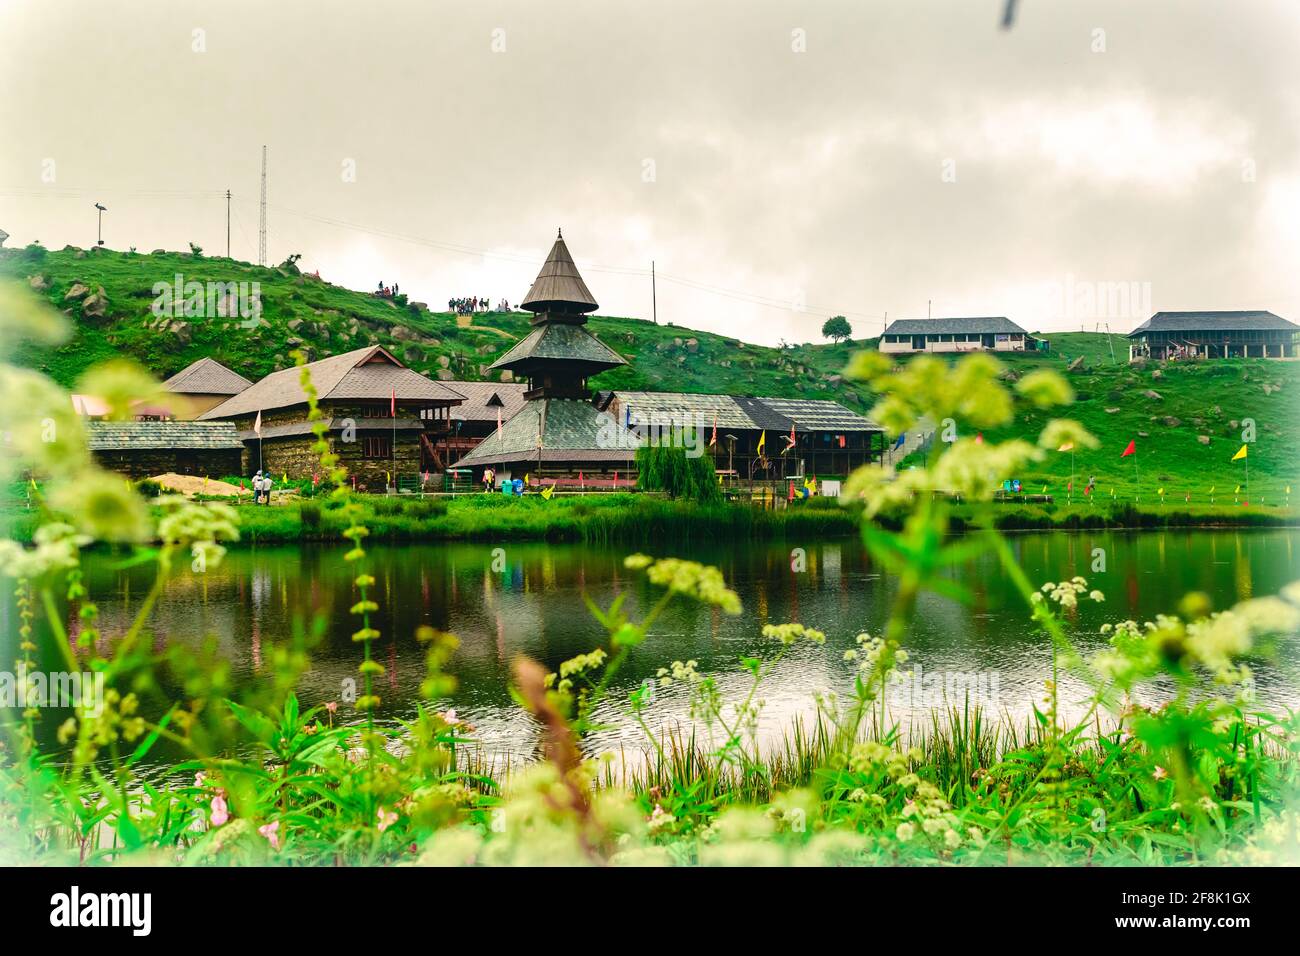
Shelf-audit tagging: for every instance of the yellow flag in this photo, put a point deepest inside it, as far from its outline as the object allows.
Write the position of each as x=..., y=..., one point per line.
x=1161, y=492
x=1066, y=446
x=1240, y=454
x=284, y=478
x=762, y=441
x=387, y=479
x=205, y=484
x=1238, y=490
x=548, y=491
x=1211, y=489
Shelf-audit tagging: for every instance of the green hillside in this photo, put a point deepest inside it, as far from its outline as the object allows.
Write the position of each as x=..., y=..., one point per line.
x=1185, y=437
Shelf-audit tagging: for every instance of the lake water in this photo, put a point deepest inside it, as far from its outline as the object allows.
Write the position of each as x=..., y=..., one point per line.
x=532, y=604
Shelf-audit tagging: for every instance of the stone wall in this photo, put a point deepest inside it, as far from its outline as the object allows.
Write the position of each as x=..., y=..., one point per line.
x=145, y=463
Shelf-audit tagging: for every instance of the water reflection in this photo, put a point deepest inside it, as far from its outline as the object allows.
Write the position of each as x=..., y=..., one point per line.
x=507, y=600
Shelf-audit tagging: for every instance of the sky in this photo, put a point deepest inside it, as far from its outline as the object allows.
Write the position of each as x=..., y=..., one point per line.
x=778, y=161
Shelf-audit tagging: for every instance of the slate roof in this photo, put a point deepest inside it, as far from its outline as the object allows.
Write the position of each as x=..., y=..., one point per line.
x=816, y=414
x=140, y=436
x=206, y=377
x=572, y=430
x=558, y=286
x=740, y=411
x=988, y=324
x=483, y=399
x=366, y=373
x=1259, y=321
x=560, y=341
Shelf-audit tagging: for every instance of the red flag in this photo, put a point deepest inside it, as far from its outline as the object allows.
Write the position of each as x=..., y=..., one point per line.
x=1130, y=450
x=394, y=404
x=979, y=439
x=790, y=497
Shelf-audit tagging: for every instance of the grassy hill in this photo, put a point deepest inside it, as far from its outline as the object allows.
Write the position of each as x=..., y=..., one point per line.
x=1185, y=437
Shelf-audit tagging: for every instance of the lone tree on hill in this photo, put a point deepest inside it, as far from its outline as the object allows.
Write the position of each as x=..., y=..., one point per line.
x=838, y=328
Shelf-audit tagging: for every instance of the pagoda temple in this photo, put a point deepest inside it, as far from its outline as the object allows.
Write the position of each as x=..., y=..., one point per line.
x=559, y=430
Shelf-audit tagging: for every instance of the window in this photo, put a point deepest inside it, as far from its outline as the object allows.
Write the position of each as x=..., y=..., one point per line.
x=375, y=411
x=377, y=447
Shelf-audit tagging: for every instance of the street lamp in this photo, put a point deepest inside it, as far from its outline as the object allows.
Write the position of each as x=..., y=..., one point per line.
x=100, y=238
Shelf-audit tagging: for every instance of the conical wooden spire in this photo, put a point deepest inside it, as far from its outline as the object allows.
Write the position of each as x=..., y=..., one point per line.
x=558, y=287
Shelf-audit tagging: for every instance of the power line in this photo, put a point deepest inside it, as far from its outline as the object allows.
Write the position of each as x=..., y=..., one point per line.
x=261, y=223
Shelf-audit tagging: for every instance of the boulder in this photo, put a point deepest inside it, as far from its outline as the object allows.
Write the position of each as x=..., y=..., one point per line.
x=295, y=325
x=38, y=283
x=1156, y=374
x=181, y=329
x=1076, y=365
x=78, y=291
x=1171, y=421
x=444, y=361
x=1153, y=395
x=1111, y=411
x=507, y=375
x=1144, y=434
x=95, y=306
x=445, y=374
x=1203, y=439
x=158, y=252
x=692, y=345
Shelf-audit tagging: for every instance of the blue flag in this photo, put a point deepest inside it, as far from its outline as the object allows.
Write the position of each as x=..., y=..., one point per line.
x=901, y=438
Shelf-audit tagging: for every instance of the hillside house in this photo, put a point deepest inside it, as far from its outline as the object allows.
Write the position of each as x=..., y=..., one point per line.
x=204, y=385
x=988, y=333
x=1210, y=335
x=143, y=449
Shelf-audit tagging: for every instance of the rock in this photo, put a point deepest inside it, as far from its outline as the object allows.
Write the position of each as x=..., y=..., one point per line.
x=507, y=375
x=293, y=341
x=1144, y=435
x=1157, y=374
x=95, y=306
x=158, y=252
x=420, y=306
x=677, y=342
x=834, y=380
x=403, y=334
x=1216, y=411
x=79, y=254
x=295, y=325
x=78, y=291
x=1234, y=424
x=1203, y=439
x=182, y=331
x=1171, y=421
x=38, y=283
x=692, y=345
x=1153, y=395
x=445, y=374
x=444, y=361
x=1111, y=411
x=487, y=348
x=1076, y=365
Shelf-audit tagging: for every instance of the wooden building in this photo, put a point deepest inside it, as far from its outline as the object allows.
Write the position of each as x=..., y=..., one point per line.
x=1210, y=335
x=753, y=434
x=995, y=333
x=486, y=405
x=558, y=431
x=385, y=421
x=203, y=385
x=143, y=449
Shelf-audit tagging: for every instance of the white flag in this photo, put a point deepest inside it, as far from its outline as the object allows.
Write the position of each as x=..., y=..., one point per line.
x=257, y=425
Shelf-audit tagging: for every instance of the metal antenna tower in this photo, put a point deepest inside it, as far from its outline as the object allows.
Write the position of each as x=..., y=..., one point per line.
x=261, y=219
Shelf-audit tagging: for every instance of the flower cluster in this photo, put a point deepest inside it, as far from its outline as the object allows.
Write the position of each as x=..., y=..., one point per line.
x=788, y=634
x=688, y=578
x=1066, y=593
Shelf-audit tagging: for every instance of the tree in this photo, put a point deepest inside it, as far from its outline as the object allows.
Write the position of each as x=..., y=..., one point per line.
x=665, y=467
x=838, y=328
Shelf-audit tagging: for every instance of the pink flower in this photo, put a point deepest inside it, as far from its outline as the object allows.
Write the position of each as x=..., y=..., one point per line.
x=218, y=813
x=200, y=778
x=1160, y=773
x=272, y=833
x=449, y=717
x=386, y=819
x=332, y=706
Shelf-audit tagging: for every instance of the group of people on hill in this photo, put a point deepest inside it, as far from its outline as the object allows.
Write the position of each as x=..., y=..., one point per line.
x=474, y=303
x=386, y=292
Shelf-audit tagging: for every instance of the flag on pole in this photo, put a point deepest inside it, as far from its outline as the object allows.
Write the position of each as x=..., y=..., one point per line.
x=1130, y=450
x=979, y=438
x=902, y=436
x=714, y=440
x=257, y=424
x=762, y=442
x=498, y=419
x=284, y=478
x=548, y=491
x=205, y=484
x=393, y=405
x=1241, y=454
x=1066, y=446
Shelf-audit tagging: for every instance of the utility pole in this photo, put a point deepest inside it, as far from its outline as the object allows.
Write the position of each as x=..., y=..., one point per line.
x=927, y=307
x=227, y=223
x=654, y=299
x=1111, y=342
x=261, y=222
x=99, y=236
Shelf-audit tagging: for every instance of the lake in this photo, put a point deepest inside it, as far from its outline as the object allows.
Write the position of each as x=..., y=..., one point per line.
x=527, y=598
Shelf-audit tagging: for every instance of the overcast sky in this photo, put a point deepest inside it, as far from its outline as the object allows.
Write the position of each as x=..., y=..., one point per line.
x=780, y=161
